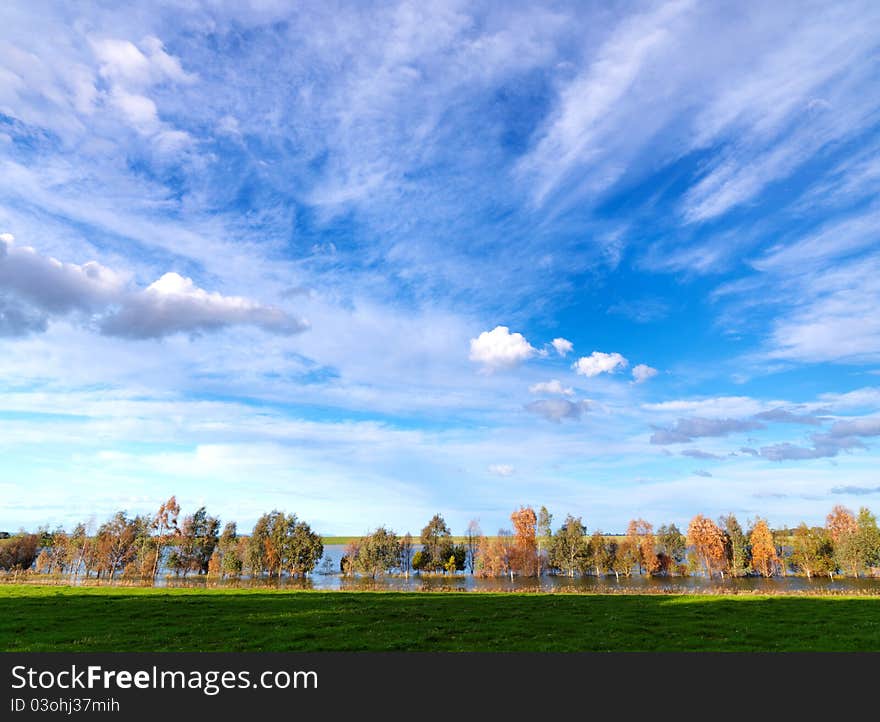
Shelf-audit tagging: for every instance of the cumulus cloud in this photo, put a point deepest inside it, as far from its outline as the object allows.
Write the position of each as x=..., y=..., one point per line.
x=598, y=363
x=35, y=288
x=686, y=430
x=175, y=304
x=787, y=417
x=642, y=373
x=563, y=346
x=52, y=286
x=556, y=410
x=501, y=469
x=499, y=348
x=551, y=387
x=748, y=450
x=699, y=454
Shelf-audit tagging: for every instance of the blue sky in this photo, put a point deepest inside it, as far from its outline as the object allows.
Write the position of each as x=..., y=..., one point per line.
x=367, y=263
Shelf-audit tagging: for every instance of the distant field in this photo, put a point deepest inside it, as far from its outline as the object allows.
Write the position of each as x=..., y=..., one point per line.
x=455, y=539
x=45, y=618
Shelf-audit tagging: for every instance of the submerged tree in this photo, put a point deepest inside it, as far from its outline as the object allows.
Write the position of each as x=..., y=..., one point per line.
x=378, y=553
x=282, y=543
x=164, y=524
x=495, y=558
x=672, y=549
x=116, y=543
x=543, y=538
x=709, y=543
x=813, y=551
x=739, y=553
x=437, y=545
x=598, y=557
x=525, y=547
x=228, y=548
x=19, y=551
x=473, y=540
x=764, y=558
x=196, y=542
x=640, y=538
x=406, y=553
x=569, y=550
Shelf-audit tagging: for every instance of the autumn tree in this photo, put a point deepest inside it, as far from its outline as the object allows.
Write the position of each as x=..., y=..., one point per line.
x=840, y=522
x=473, y=539
x=116, y=543
x=764, y=558
x=597, y=556
x=525, y=548
x=739, y=553
x=623, y=556
x=19, y=551
x=495, y=557
x=569, y=550
x=709, y=543
x=58, y=552
x=813, y=551
x=348, y=562
x=843, y=530
x=164, y=524
x=640, y=538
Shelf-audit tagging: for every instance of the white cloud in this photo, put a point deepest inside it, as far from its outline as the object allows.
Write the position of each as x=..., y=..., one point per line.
x=576, y=131
x=499, y=348
x=598, y=363
x=551, y=387
x=52, y=286
x=37, y=287
x=121, y=61
x=501, y=469
x=563, y=346
x=643, y=372
x=175, y=304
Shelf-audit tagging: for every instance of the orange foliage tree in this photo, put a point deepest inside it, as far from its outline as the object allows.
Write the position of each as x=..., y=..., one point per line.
x=495, y=556
x=708, y=541
x=841, y=522
x=640, y=536
x=764, y=556
x=525, y=547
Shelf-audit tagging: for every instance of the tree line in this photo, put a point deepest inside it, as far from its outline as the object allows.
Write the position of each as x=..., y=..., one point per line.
x=140, y=546
x=281, y=544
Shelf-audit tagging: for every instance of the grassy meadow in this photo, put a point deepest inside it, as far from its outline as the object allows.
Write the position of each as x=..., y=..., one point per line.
x=56, y=618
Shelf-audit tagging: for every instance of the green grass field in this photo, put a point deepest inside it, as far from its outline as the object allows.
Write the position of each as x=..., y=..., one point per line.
x=45, y=618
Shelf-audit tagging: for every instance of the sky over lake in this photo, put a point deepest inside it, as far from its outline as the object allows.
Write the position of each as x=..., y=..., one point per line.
x=369, y=262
